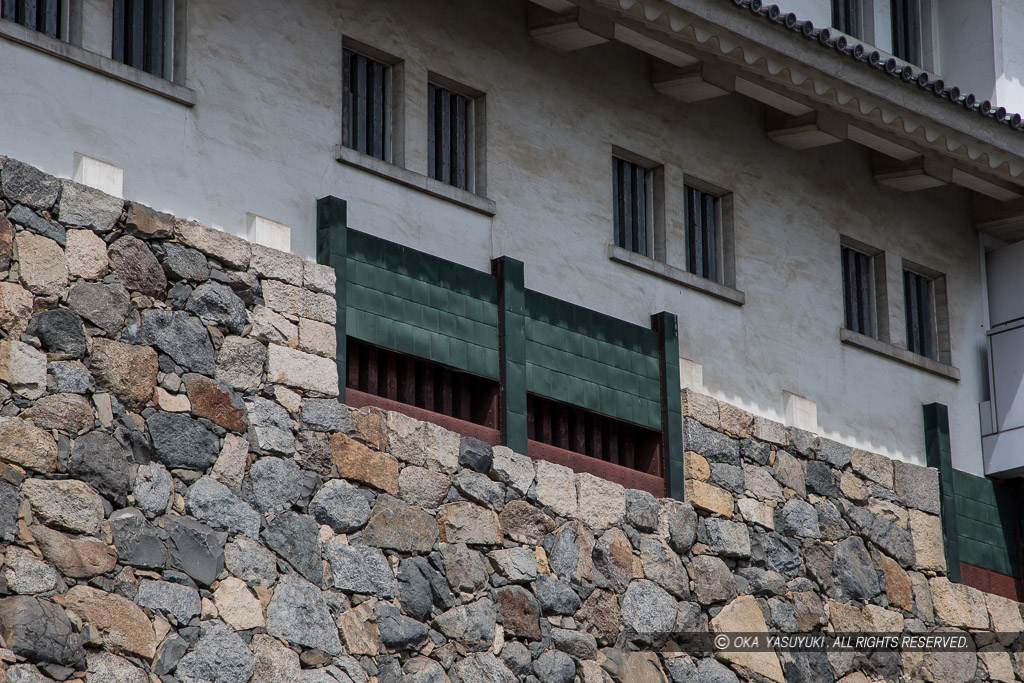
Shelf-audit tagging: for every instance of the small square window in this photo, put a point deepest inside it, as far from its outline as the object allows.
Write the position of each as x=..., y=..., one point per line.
x=633, y=198
x=366, y=105
x=703, y=233
x=451, y=144
x=46, y=16
x=140, y=34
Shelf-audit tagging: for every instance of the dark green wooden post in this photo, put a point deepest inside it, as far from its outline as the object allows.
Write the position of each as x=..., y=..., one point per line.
x=331, y=239
x=667, y=327
x=938, y=454
x=512, y=350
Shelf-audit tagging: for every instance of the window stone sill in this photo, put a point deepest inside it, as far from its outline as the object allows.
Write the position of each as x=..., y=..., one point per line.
x=425, y=184
x=98, y=63
x=862, y=341
x=676, y=275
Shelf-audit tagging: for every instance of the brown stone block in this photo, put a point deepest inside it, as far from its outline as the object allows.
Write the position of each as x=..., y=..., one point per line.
x=127, y=370
x=215, y=401
x=358, y=463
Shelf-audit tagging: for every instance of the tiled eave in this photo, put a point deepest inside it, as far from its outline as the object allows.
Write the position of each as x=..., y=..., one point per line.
x=805, y=67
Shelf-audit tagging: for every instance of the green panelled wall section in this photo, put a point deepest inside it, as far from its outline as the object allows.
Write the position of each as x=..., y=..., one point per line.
x=421, y=305
x=587, y=359
x=490, y=325
x=986, y=523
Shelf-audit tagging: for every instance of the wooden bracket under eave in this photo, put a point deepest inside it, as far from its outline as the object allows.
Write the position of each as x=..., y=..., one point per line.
x=693, y=83
x=806, y=131
x=1003, y=220
x=910, y=175
x=569, y=31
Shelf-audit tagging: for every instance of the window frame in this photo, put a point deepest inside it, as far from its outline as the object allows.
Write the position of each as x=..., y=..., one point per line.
x=852, y=23
x=720, y=201
x=392, y=93
x=906, y=14
x=475, y=118
x=878, y=297
x=62, y=31
x=938, y=310
x=654, y=203
x=171, y=50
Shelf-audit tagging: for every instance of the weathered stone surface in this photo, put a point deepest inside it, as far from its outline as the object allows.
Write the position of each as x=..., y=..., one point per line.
x=475, y=454
x=756, y=512
x=273, y=484
x=271, y=427
x=25, y=445
x=799, y=519
x=180, y=441
x=213, y=502
x=917, y=487
x=86, y=254
x=482, y=667
x=114, y=669
x=647, y=608
x=83, y=205
x=472, y=624
x=195, y=548
x=134, y=265
x=103, y=305
x=127, y=370
x=518, y=565
x=180, y=336
x=251, y=562
x=677, y=521
x=15, y=308
x=22, y=368
x=318, y=338
x=464, y=568
x=70, y=376
x=232, y=461
x=230, y=250
x=182, y=263
x=295, y=538
x=958, y=605
x=272, y=328
x=359, y=569
x=217, y=402
x=299, y=614
x=313, y=453
x=24, y=184
x=60, y=331
x=790, y=473
x=420, y=588
x=875, y=467
x=124, y=626
x=302, y=370
x=780, y=554
x=744, y=615
x=821, y=479
x=707, y=497
x=423, y=487
x=571, y=553
x=137, y=541
x=279, y=265
x=215, y=304
x=395, y=525
x=40, y=631
x=299, y=302
x=398, y=632
x=897, y=584
x=25, y=217
x=358, y=463
x=359, y=630
x=613, y=560
x=238, y=607
x=147, y=223
x=7, y=243
x=100, y=461
x=556, y=596
x=523, y=523
x=663, y=567
x=579, y=645
x=422, y=443
x=556, y=488
x=326, y=414
x=274, y=662
x=240, y=362
x=892, y=539
x=9, y=503
x=341, y=506
x=712, y=445
x=641, y=510
x=42, y=266
x=555, y=666
x=171, y=598
x=219, y=656
x=512, y=469
x=153, y=488
x=725, y=538
x=26, y=574
x=855, y=574
x=480, y=489
x=712, y=580
x=66, y=504
x=601, y=503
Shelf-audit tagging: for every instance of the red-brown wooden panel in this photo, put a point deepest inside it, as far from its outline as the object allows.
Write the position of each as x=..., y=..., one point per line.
x=991, y=582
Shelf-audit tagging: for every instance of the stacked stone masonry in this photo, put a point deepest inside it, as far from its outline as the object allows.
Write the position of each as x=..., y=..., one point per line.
x=183, y=498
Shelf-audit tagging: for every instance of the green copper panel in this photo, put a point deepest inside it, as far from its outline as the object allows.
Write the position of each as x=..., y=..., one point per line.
x=509, y=273
x=331, y=250
x=666, y=326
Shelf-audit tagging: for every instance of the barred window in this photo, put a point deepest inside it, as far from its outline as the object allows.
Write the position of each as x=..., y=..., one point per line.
x=906, y=37
x=919, y=301
x=366, y=107
x=634, y=206
x=846, y=16
x=140, y=34
x=46, y=16
x=703, y=233
x=859, y=292
x=450, y=142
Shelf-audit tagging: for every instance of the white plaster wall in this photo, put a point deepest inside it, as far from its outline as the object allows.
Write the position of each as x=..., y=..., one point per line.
x=966, y=48
x=261, y=141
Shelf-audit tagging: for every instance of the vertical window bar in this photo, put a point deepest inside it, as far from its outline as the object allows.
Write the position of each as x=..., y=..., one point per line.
x=347, y=99
x=135, y=40
x=627, y=205
x=640, y=209
x=432, y=130
x=29, y=14
x=9, y=10
x=849, y=289
x=913, y=322
x=444, y=128
x=924, y=294
x=385, y=114
x=117, y=44
x=359, y=69
x=698, y=237
x=863, y=297
x=49, y=17
x=459, y=141
x=154, y=29
x=378, y=110
x=620, y=239
x=708, y=234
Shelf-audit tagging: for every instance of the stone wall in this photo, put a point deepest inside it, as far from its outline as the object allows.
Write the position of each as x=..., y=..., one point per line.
x=182, y=498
